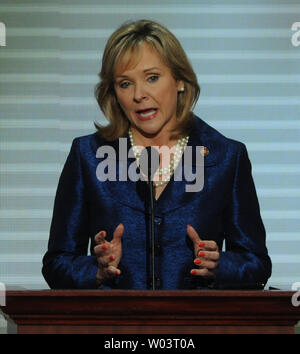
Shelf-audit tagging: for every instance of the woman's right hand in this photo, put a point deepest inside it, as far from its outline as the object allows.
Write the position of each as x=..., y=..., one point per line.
x=108, y=254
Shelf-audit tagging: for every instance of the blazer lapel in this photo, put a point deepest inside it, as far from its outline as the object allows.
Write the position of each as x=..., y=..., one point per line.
x=134, y=193
x=175, y=195
x=121, y=188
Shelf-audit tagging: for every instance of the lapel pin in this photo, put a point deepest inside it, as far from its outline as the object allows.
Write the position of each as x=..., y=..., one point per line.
x=204, y=151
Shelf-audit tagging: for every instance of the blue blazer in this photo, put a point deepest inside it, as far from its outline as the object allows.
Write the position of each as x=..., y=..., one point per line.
x=225, y=210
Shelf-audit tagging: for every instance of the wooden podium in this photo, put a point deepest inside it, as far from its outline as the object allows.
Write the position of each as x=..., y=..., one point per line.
x=150, y=312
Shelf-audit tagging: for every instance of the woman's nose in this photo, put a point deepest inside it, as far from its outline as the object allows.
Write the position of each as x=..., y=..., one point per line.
x=139, y=93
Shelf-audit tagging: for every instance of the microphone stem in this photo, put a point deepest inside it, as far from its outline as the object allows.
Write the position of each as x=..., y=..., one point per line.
x=152, y=232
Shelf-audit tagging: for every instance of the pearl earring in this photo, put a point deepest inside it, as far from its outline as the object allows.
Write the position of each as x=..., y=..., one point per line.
x=182, y=89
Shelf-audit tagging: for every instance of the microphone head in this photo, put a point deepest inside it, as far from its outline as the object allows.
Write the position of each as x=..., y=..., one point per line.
x=149, y=162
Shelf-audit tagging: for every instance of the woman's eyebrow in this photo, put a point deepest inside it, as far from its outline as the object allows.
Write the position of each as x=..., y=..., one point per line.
x=153, y=68
x=145, y=71
x=121, y=76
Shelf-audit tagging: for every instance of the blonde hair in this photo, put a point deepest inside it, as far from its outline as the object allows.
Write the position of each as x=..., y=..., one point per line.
x=124, y=42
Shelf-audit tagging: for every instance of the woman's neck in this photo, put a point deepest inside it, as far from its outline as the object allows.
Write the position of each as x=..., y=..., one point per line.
x=154, y=140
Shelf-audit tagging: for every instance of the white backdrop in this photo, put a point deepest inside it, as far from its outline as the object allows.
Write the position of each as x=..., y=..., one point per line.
x=248, y=71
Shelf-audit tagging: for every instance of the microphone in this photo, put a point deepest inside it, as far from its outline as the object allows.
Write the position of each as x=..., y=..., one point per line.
x=149, y=163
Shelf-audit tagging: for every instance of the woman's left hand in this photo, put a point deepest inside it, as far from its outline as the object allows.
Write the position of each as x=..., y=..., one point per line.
x=206, y=253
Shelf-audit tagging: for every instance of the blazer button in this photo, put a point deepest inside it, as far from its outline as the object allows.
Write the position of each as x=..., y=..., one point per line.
x=157, y=220
x=157, y=282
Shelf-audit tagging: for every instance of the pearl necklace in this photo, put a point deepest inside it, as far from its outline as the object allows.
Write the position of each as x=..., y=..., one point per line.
x=165, y=171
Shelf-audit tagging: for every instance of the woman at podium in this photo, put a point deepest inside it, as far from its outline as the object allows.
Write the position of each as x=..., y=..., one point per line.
x=204, y=229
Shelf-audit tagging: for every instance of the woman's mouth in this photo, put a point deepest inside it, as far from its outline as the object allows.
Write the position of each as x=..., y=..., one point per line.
x=147, y=114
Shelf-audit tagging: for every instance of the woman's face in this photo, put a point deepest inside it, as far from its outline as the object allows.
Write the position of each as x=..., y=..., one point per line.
x=147, y=93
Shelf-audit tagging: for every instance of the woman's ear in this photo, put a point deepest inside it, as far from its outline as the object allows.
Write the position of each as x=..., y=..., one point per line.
x=180, y=86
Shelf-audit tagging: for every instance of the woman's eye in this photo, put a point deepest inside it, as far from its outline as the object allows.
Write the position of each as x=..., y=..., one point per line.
x=153, y=78
x=124, y=84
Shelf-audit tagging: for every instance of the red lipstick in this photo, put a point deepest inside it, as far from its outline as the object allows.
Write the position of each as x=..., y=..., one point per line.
x=146, y=114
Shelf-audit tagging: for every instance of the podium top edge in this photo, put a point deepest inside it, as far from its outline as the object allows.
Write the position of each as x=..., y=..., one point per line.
x=147, y=293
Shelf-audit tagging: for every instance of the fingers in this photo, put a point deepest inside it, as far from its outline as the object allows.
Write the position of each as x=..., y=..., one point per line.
x=102, y=249
x=206, y=273
x=107, y=273
x=193, y=235
x=206, y=252
x=105, y=258
x=113, y=270
x=100, y=237
x=207, y=260
x=208, y=245
x=118, y=233
x=206, y=268
x=207, y=264
x=209, y=255
x=107, y=263
x=109, y=253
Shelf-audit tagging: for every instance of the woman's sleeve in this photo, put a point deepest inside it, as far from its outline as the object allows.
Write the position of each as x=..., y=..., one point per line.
x=66, y=264
x=245, y=261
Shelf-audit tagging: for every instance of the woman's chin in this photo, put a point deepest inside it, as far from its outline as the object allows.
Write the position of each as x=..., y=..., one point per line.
x=149, y=132
x=148, y=129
